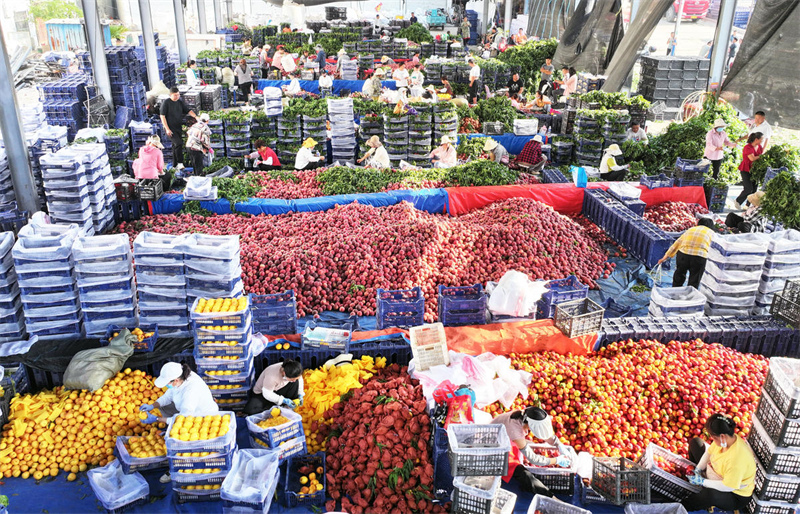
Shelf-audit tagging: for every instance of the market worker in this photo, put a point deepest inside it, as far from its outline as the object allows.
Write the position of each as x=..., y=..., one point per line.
x=751, y=220
x=519, y=424
x=546, y=70
x=244, y=74
x=691, y=252
x=751, y=152
x=373, y=87
x=520, y=38
x=187, y=394
x=387, y=61
x=726, y=468
x=278, y=385
x=716, y=141
x=541, y=103
x=173, y=111
x=325, y=83
x=609, y=169
x=191, y=73
x=497, y=152
x=446, y=88
x=515, y=86
x=376, y=156
x=400, y=76
x=474, y=81
x=198, y=142
x=264, y=157
x=306, y=159
x=413, y=18
x=150, y=163
x=636, y=133
x=293, y=89
x=531, y=154
x=760, y=125
x=465, y=30
x=277, y=60
x=445, y=155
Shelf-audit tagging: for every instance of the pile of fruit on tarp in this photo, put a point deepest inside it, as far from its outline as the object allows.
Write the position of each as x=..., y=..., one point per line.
x=616, y=401
x=337, y=259
x=674, y=216
x=70, y=430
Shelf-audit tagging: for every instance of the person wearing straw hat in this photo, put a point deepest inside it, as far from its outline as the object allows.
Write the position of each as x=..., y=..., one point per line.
x=716, y=141
x=497, y=152
x=306, y=158
x=376, y=156
x=150, y=164
x=373, y=87
x=751, y=220
x=187, y=394
x=534, y=421
x=387, y=61
x=609, y=169
x=444, y=156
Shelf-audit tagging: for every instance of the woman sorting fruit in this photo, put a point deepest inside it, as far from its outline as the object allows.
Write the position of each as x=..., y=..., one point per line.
x=726, y=468
x=186, y=391
x=280, y=384
x=518, y=424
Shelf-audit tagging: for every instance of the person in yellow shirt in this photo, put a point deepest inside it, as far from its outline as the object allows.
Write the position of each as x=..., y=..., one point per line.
x=691, y=251
x=726, y=469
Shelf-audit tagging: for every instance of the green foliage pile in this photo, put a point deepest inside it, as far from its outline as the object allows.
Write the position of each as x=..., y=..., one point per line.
x=777, y=156
x=416, y=33
x=530, y=57
x=781, y=200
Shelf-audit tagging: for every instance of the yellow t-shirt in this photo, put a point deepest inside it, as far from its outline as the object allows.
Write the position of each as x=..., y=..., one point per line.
x=736, y=466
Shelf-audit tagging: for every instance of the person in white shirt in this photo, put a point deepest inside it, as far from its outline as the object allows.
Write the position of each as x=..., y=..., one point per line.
x=759, y=125
x=293, y=89
x=288, y=63
x=186, y=392
x=280, y=384
x=306, y=160
x=376, y=156
x=325, y=84
x=636, y=133
x=474, y=81
x=417, y=77
x=400, y=76
x=191, y=73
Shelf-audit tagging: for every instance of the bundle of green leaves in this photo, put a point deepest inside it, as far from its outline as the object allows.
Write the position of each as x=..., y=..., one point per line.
x=415, y=32
x=781, y=200
x=777, y=156
x=530, y=57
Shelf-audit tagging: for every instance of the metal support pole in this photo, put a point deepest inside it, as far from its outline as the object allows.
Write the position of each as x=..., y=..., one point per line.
x=229, y=9
x=150, y=58
x=218, y=15
x=486, y=25
x=180, y=31
x=634, y=9
x=678, y=23
x=94, y=35
x=14, y=140
x=722, y=39
x=201, y=16
x=508, y=14
x=527, y=7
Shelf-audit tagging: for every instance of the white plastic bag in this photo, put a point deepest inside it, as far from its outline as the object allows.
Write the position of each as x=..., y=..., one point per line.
x=515, y=295
x=198, y=187
x=114, y=488
x=253, y=477
x=625, y=191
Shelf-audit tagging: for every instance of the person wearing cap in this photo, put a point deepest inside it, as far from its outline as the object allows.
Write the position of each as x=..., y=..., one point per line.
x=376, y=156
x=445, y=155
x=609, y=169
x=341, y=56
x=198, y=142
x=187, y=394
x=716, y=141
x=751, y=220
x=325, y=83
x=373, y=86
x=306, y=159
x=150, y=164
x=280, y=384
x=751, y=153
x=264, y=158
x=497, y=152
x=474, y=81
x=531, y=154
x=519, y=424
x=173, y=111
x=691, y=253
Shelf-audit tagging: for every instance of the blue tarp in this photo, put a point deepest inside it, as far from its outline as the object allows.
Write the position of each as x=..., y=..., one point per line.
x=434, y=201
x=511, y=142
x=312, y=86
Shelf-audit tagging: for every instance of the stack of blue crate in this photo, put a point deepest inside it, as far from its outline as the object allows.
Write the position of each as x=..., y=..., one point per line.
x=162, y=283
x=63, y=103
x=166, y=69
x=101, y=184
x=213, y=268
x=8, y=199
x=46, y=277
x=12, y=322
x=125, y=72
x=49, y=139
x=104, y=273
x=84, y=62
x=67, y=188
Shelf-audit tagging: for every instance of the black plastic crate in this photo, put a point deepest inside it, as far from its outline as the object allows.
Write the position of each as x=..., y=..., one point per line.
x=785, y=309
x=151, y=189
x=760, y=507
x=779, y=384
x=620, y=480
x=775, y=460
x=783, y=431
x=769, y=487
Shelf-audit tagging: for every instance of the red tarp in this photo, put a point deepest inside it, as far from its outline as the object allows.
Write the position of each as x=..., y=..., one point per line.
x=564, y=198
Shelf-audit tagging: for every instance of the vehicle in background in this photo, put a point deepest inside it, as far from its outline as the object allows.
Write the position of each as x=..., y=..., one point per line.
x=692, y=10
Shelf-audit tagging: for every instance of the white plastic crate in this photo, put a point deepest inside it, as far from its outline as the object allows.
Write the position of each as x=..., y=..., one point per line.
x=676, y=301
x=478, y=450
x=547, y=505
x=429, y=346
x=474, y=494
x=504, y=502
x=115, y=489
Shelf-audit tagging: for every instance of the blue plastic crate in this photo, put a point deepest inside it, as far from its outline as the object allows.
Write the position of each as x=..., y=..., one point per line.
x=770, y=174
x=615, y=310
x=400, y=308
x=685, y=168
x=145, y=345
x=656, y=181
x=462, y=305
x=275, y=327
x=684, y=182
x=291, y=494
x=564, y=290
